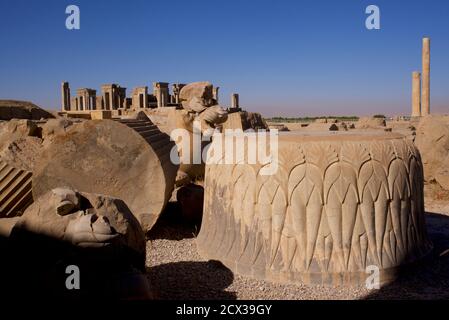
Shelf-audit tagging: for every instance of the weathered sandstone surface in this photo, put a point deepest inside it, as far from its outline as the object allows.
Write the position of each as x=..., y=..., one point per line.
x=13, y=109
x=111, y=158
x=432, y=140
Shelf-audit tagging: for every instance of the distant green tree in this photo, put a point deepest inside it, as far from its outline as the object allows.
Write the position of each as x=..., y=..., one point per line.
x=310, y=119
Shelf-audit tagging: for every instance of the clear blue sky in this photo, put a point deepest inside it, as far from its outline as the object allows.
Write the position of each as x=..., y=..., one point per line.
x=291, y=58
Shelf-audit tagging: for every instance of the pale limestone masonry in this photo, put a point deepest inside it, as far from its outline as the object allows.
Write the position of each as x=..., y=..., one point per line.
x=113, y=96
x=416, y=94
x=100, y=114
x=140, y=98
x=86, y=99
x=160, y=91
x=336, y=205
x=99, y=103
x=15, y=190
x=425, y=98
x=73, y=104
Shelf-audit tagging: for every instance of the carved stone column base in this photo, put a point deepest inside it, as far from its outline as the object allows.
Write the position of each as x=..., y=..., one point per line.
x=338, y=207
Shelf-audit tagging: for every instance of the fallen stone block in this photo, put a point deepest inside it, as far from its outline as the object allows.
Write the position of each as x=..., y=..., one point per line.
x=129, y=160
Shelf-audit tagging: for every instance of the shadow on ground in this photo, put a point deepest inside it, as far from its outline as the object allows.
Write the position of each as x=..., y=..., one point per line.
x=34, y=266
x=428, y=279
x=172, y=226
x=190, y=280
x=186, y=280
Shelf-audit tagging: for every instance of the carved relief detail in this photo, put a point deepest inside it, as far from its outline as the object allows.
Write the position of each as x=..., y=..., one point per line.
x=333, y=207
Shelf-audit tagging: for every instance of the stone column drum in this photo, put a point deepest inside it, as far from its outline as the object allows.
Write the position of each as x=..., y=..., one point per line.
x=129, y=161
x=425, y=93
x=416, y=94
x=337, y=204
x=235, y=100
x=65, y=96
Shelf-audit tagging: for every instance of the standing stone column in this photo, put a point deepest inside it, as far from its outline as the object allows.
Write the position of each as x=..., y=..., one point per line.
x=160, y=91
x=425, y=98
x=157, y=94
x=416, y=94
x=175, y=91
x=235, y=100
x=145, y=97
x=65, y=96
x=164, y=96
x=113, y=98
x=105, y=100
x=84, y=101
x=87, y=99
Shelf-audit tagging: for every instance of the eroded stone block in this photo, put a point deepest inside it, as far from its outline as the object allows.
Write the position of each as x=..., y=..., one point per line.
x=101, y=114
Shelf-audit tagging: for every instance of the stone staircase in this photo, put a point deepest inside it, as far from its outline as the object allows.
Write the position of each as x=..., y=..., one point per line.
x=159, y=141
x=15, y=190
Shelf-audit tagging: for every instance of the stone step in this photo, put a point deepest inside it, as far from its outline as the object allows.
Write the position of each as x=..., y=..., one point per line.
x=21, y=189
x=163, y=150
x=5, y=173
x=157, y=137
x=144, y=128
x=3, y=165
x=149, y=132
x=18, y=207
x=131, y=120
x=14, y=185
x=158, y=143
x=136, y=123
x=164, y=155
x=10, y=175
x=15, y=190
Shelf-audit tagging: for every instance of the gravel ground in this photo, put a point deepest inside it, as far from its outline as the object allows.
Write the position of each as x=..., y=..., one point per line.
x=176, y=271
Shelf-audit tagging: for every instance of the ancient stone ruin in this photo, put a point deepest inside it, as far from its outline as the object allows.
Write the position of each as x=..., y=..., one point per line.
x=15, y=190
x=337, y=204
x=421, y=84
x=114, y=99
x=90, y=182
x=128, y=160
x=64, y=227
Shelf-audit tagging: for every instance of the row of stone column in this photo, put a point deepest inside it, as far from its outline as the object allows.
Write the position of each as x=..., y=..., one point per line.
x=114, y=97
x=421, y=84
